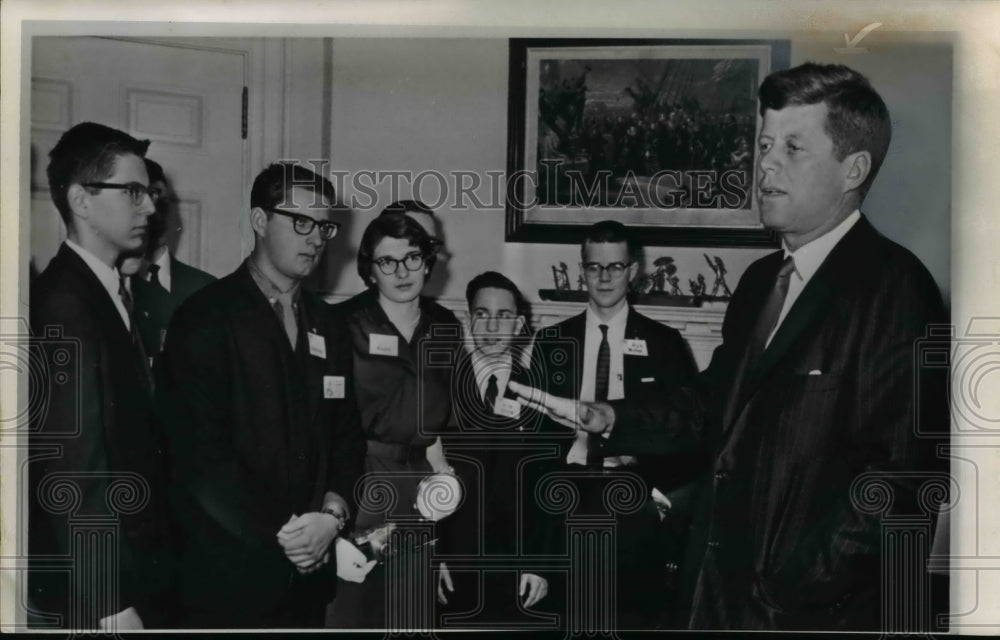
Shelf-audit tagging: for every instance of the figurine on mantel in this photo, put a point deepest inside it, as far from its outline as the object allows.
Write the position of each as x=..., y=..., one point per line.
x=719, y=269
x=666, y=273
x=698, y=286
x=643, y=284
x=561, y=277
x=581, y=282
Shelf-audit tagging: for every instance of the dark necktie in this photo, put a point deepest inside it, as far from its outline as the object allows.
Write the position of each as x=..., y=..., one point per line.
x=601, y=383
x=126, y=299
x=492, y=391
x=154, y=276
x=768, y=317
x=603, y=366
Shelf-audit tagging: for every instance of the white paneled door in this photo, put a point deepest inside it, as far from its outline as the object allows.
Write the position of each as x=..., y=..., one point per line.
x=187, y=99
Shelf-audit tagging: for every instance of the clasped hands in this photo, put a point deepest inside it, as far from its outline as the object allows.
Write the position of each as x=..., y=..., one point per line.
x=306, y=539
x=592, y=417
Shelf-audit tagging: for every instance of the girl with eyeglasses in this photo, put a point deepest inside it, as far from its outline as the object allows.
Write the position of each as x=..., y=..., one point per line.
x=403, y=392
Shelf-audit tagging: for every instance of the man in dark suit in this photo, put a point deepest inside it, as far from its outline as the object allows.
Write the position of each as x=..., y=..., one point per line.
x=256, y=390
x=96, y=441
x=818, y=395
x=619, y=353
x=164, y=282
x=489, y=439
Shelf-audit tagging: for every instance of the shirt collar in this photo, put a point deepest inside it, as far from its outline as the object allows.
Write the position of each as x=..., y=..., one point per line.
x=615, y=323
x=270, y=290
x=108, y=276
x=485, y=365
x=810, y=256
x=163, y=261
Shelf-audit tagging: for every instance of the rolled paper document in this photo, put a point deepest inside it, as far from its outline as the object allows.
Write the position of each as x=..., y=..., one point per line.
x=539, y=400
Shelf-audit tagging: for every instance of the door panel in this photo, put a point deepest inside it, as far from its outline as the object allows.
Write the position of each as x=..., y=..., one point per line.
x=187, y=100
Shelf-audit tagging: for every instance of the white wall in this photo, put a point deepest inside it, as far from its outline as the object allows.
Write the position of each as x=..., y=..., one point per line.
x=441, y=104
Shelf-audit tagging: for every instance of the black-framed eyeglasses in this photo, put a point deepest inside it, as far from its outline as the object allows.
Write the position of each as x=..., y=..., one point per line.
x=388, y=266
x=615, y=269
x=136, y=190
x=304, y=225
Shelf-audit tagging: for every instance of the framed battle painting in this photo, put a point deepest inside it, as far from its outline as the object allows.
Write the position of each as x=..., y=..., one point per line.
x=657, y=134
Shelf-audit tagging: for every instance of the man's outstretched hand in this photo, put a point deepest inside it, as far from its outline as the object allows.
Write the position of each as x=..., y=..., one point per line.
x=593, y=417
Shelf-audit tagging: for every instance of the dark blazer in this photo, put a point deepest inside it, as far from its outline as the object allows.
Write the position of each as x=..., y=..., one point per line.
x=558, y=366
x=500, y=516
x=781, y=544
x=495, y=490
x=154, y=306
x=648, y=552
x=98, y=420
x=252, y=440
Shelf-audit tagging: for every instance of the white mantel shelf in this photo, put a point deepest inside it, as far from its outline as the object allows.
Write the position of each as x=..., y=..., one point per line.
x=700, y=326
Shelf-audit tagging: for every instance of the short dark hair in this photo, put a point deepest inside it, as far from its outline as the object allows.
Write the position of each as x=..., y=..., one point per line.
x=272, y=186
x=413, y=206
x=87, y=152
x=857, y=118
x=496, y=280
x=611, y=231
x=393, y=225
x=155, y=171
x=158, y=221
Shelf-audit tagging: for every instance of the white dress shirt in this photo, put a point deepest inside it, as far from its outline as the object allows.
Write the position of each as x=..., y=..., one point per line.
x=485, y=366
x=109, y=278
x=808, y=259
x=616, y=375
x=163, y=275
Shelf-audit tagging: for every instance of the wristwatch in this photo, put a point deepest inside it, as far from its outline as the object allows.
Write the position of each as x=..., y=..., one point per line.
x=337, y=513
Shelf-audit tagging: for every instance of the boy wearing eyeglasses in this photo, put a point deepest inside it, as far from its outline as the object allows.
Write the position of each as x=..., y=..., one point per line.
x=619, y=353
x=494, y=440
x=257, y=392
x=98, y=419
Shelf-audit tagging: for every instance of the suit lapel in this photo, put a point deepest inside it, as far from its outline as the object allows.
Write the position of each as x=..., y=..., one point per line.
x=833, y=274
x=576, y=327
x=315, y=366
x=100, y=297
x=263, y=339
x=631, y=365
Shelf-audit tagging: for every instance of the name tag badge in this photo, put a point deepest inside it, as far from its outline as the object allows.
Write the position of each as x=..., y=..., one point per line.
x=635, y=347
x=507, y=408
x=333, y=387
x=383, y=345
x=317, y=345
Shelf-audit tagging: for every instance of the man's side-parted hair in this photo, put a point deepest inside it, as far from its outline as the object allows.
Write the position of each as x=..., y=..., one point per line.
x=155, y=171
x=611, y=231
x=86, y=153
x=272, y=186
x=496, y=280
x=392, y=225
x=857, y=118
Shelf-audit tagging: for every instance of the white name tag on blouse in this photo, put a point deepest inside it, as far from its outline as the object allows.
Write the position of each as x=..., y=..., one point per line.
x=317, y=345
x=383, y=345
x=635, y=347
x=507, y=408
x=333, y=387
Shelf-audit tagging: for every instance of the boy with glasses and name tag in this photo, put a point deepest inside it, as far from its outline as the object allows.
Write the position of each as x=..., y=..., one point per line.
x=621, y=354
x=256, y=388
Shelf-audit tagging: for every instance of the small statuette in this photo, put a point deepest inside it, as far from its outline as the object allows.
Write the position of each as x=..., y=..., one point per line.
x=561, y=277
